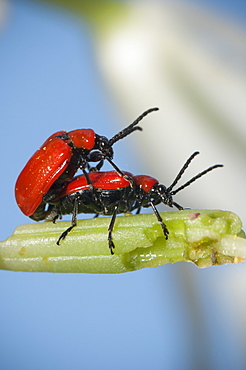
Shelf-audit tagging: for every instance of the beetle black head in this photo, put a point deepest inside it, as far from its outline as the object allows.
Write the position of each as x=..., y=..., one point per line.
x=105, y=149
x=159, y=193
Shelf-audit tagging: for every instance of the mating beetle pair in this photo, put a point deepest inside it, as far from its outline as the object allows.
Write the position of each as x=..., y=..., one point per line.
x=57, y=161
x=48, y=178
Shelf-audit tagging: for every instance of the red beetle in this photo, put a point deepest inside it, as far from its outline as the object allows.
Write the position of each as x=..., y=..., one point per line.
x=111, y=194
x=58, y=159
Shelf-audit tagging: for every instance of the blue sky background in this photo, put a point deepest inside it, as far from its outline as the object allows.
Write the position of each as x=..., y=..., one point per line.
x=141, y=320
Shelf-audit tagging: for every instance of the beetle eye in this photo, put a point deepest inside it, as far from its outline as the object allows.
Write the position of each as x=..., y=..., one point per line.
x=161, y=189
x=105, y=147
x=103, y=143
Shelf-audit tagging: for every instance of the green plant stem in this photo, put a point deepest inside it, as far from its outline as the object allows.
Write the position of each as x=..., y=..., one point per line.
x=205, y=238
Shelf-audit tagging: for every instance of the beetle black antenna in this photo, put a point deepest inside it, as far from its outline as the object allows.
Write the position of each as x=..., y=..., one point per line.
x=169, y=189
x=129, y=129
x=181, y=172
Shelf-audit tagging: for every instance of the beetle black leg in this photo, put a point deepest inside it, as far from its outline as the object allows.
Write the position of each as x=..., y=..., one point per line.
x=138, y=211
x=110, y=229
x=177, y=206
x=95, y=168
x=87, y=178
x=99, y=165
x=85, y=173
x=120, y=172
x=54, y=214
x=89, y=182
x=55, y=218
x=74, y=222
x=164, y=228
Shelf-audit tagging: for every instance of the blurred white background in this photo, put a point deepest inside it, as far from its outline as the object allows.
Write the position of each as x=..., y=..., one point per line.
x=99, y=66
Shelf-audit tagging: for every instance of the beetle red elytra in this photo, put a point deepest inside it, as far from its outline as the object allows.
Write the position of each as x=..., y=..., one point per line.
x=112, y=194
x=58, y=159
